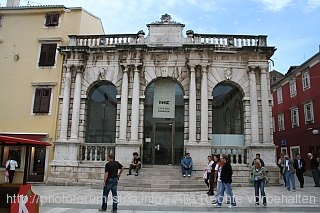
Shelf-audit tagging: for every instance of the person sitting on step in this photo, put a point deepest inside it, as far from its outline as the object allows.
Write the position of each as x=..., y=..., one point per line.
x=135, y=164
x=186, y=165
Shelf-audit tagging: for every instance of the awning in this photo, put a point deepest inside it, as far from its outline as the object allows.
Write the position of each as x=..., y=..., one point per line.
x=15, y=141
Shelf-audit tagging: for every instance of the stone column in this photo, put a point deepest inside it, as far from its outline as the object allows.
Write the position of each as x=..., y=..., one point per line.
x=124, y=106
x=253, y=106
x=76, y=105
x=135, y=106
x=65, y=105
x=204, y=106
x=265, y=106
x=192, y=106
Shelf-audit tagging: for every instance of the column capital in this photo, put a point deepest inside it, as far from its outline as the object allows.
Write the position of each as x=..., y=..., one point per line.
x=79, y=68
x=252, y=69
x=263, y=69
x=67, y=67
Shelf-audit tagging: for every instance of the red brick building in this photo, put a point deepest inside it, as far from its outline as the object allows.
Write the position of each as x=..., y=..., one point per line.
x=296, y=110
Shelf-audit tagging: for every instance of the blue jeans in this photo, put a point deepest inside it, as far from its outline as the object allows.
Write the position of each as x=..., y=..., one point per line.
x=226, y=187
x=259, y=184
x=290, y=178
x=111, y=184
x=184, y=170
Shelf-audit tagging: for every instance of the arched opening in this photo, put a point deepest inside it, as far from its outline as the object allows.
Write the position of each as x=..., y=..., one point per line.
x=163, y=122
x=227, y=115
x=101, y=114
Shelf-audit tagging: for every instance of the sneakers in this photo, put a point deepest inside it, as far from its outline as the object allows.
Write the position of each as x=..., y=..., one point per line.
x=101, y=210
x=294, y=190
x=113, y=211
x=136, y=174
x=232, y=206
x=189, y=175
x=184, y=175
x=129, y=173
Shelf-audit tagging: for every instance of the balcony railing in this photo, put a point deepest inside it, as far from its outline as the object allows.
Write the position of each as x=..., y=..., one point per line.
x=217, y=40
x=96, y=151
x=237, y=154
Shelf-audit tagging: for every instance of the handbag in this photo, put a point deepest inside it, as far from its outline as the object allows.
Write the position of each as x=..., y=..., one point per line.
x=6, y=173
x=8, y=166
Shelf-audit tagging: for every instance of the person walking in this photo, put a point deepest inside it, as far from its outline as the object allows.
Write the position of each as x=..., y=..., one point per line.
x=213, y=176
x=281, y=167
x=226, y=180
x=135, y=164
x=314, y=169
x=11, y=166
x=186, y=165
x=208, y=173
x=258, y=157
x=300, y=167
x=289, y=172
x=113, y=171
x=259, y=176
x=217, y=179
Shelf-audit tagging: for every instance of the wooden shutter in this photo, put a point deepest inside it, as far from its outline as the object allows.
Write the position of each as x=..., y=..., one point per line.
x=47, y=54
x=37, y=101
x=54, y=19
x=42, y=100
x=45, y=100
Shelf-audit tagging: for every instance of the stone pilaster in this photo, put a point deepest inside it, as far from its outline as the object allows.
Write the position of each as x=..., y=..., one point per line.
x=65, y=105
x=135, y=106
x=76, y=105
x=265, y=106
x=204, y=106
x=253, y=106
x=192, y=106
x=124, y=107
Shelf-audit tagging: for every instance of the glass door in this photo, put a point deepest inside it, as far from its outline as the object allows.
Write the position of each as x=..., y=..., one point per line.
x=163, y=143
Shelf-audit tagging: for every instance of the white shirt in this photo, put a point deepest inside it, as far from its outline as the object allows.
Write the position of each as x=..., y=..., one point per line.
x=218, y=169
x=13, y=164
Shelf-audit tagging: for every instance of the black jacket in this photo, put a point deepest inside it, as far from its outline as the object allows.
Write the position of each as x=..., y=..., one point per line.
x=302, y=165
x=226, y=173
x=313, y=163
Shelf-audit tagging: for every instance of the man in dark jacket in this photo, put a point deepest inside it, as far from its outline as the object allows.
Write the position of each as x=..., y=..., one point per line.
x=314, y=169
x=226, y=179
x=300, y=167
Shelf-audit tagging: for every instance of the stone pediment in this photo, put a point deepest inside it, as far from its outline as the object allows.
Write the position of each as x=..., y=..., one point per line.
x=165, y=32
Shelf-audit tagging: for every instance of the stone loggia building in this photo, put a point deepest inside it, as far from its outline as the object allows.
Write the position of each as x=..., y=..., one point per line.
x=162, y=95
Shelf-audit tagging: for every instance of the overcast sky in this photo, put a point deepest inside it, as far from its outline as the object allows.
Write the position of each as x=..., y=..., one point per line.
x=292, y=26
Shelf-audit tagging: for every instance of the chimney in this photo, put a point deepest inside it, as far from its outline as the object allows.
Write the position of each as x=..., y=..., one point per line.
x=13, y=3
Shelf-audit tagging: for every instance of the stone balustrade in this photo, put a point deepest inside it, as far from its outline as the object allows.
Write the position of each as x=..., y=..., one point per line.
x=228, y=40
x=90, y=152
x=103, y=40
x=237, y=154
x=217, y=40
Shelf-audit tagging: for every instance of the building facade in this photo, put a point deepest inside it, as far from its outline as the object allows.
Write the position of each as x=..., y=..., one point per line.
x=162, y=95
x=30, y=77
x=296, y=110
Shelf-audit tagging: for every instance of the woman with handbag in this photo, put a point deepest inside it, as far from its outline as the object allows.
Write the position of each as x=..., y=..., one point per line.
x=259, y=178
x=11, y=168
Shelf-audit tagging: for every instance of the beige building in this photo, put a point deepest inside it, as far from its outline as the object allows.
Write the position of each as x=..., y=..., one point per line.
x=163, y=94
x=30, y=76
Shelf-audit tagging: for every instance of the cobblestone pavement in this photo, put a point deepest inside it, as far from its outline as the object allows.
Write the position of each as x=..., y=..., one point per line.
x=75, y=199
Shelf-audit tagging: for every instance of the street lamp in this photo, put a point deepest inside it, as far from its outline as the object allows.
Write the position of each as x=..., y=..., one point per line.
x=315, y=131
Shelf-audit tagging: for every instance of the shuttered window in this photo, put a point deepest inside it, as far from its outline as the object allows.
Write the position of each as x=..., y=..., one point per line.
x=52, y=19
x=42, y=100
x=47, y=54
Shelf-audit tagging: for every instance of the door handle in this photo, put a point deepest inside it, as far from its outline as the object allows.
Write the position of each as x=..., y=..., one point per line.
x=157, y=147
